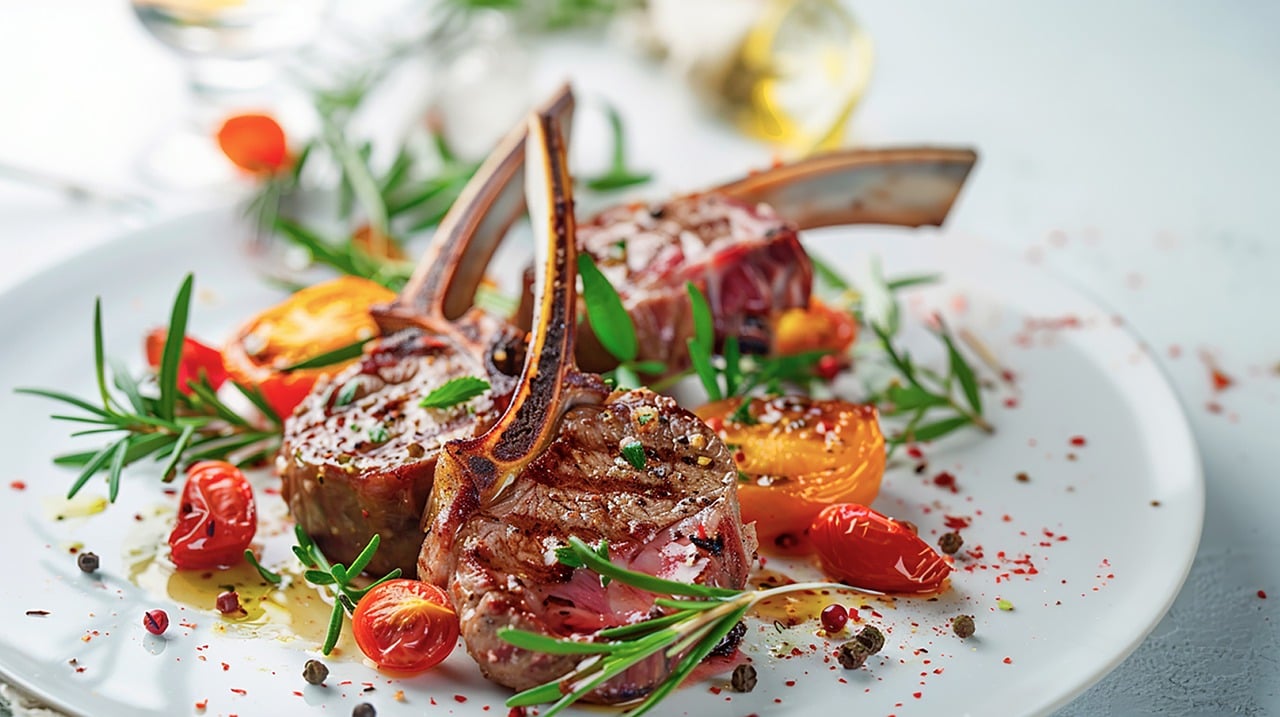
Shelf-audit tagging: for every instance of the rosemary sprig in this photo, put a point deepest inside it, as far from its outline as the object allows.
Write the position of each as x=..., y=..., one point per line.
x=160, y=419
x=329, y=358
x=618, y=175
x=932, y=405
x=338, y=578
x=687, y=631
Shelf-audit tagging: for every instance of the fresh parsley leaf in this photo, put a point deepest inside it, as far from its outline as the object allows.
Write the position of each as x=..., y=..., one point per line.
x=633, y=451
x=455, y=391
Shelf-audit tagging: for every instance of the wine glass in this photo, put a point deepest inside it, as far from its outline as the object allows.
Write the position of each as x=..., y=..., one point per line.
x=230, y=49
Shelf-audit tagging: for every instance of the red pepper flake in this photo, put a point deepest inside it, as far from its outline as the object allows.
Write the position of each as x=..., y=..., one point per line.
x=297, y=693
x=915, y=452
x=1008, y=660
x=790, y=683
x=516, y=712
x=946, y=480
x=1011, y=402
x=1221, y=381
x=1262, y=594
x=239, y=691
x=459, y=699
x=202, y=704
x=917, y=695
x=956, y=522
x=18, y=485
x=715, y=690
x=1077, y=441
x=226, y=667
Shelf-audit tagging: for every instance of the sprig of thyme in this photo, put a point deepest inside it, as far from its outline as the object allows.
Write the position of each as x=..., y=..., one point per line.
x=160, y=419
x=687, y=631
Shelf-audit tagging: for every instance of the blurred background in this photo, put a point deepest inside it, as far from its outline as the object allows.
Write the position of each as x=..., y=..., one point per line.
x=1130, y=149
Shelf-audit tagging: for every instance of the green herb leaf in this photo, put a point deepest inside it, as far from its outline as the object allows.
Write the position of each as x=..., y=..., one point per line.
x=271, y=577
x=329, y=358
x=347, y=393
x=938, y=429
x=609, y=319
x=618, y=175
x=455, y=391
x=704, y=328
x=171, y=356
x=633, y=451
x=910, y=398
x=378, y=434
x=963, y=373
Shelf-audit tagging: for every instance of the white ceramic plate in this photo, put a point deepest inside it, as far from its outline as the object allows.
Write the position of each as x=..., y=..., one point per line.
x=1089, y=551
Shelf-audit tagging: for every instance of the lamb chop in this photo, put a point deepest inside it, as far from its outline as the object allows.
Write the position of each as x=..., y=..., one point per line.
x=739, y=244
x=553, y=467
x=359, y=454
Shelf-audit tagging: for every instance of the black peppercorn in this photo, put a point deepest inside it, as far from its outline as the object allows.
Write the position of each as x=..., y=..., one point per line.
x=870, y=638
x=364, y=709
x=315, y=672
x=87, y=562
x=852, y=655
x=744, y=678
x=950, y=542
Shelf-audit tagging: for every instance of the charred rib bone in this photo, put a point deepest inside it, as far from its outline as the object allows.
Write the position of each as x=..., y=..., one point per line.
x=550, y=468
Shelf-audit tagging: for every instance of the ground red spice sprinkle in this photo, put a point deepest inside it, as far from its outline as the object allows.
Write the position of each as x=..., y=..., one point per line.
x=956, y=522
x=1077, y=440
x=202, y=704
x=915, y=452
x=226, y=667
x=1011, y=402
x=18, y=485
x=790, y=683
x=715, y=690
x=239, y=691
x=1008, y=660
x=1262, y=594
x=297, y=693
x=459, y=699
x=917, y=695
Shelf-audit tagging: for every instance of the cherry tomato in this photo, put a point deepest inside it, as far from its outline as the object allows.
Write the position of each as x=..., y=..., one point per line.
x=197, y=358
x=817, y=328
x=860, y=547
x=799, y=456
x=216, y=517
x=254, y=142
x=405, y=625
x=313, y=321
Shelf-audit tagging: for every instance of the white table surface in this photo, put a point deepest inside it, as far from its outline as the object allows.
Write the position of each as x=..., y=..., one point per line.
x=1134, y=148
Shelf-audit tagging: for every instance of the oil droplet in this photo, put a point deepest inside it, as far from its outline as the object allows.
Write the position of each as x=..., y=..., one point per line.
x=82, y=505
x=293, y=611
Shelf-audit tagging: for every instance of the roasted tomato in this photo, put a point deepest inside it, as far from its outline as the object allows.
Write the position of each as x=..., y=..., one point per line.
x=216, y=517
x=405, y=625
x=197, y=359
x=798, y=455
x=863, y=548
x=817, y=328
x=313, y=321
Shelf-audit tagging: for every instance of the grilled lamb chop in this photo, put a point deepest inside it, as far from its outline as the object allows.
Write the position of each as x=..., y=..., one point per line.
x=553, y=467
x=738, y=243
x=359, y=455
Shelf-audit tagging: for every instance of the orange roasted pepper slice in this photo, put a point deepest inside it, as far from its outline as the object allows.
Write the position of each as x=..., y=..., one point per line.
x=797, y=456
x=314, y=321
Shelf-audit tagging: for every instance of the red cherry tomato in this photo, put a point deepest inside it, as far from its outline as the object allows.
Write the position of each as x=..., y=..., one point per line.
x=405, y=625
x=197, y=359
x=254, y=142
x=216, y=517
x=861, y=547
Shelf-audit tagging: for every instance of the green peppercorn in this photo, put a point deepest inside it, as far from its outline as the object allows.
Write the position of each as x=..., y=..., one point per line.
x=870, y=638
